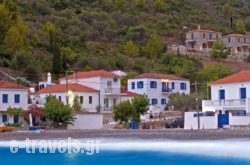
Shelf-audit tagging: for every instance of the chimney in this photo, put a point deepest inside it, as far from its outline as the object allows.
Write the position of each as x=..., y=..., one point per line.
x=199, y=27
x=49, y=78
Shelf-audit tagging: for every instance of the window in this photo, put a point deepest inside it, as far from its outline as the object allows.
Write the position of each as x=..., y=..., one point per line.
x=238, y=39
x=109, y=83
x=90, y=99
x=239, y=49
x=229, y=40
x=59, y=98
x=153, y=84
x=204, y=35
x=243, y=93
x=4, y=118
x=183, y=86
x=5, y=98
x=154, y=101
x=192, y=36
x=133, y=85
x=140, y=84
x=244, y=40
x=81, y=99
x=173, y=85
x=204, y=45
x=210, y=36
x=163, y=101
x=106, y=102
x=16, y=98
x=16, y=119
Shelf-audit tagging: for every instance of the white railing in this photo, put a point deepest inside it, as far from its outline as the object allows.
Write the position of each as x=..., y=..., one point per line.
x=112, y=91
x=236, y=102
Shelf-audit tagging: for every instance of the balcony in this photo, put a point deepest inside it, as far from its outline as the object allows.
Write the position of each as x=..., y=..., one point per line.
x=236, y=104
x=112, y=91
x=166, y=90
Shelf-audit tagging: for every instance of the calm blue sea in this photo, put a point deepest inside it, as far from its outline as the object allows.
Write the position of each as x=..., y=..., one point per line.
x=132, y=156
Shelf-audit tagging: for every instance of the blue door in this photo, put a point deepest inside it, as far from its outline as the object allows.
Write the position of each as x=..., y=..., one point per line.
x=223, y=119
x=243, y=93
x=222, y=94
x=16, y=119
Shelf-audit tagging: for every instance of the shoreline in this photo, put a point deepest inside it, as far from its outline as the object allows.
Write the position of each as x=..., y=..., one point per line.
x=173, y=134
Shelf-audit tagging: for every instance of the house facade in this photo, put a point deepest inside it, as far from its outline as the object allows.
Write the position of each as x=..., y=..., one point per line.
x=87, y=97
x=229, y=104
x=157, y=87
x=201, y=40
x=107, y=83
x=14, y=96
x=239, y=46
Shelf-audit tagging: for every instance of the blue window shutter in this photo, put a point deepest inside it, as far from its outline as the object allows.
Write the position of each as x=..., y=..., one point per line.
x=243, y=93
x=4, y=118
x=133, y=85
x=173, y=85
x=221, y=94
x=163, y=101
x=5, y=98
x=17, y=98
x=183, y=86
x=141, y=84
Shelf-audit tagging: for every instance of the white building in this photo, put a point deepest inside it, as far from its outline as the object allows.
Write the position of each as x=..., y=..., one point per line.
x=107, y=83
x=12, y=95
x=158, y=87
x=88, y=97
x=229, y=104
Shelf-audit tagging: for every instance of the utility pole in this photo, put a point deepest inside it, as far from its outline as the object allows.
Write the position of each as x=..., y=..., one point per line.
x=197, y=104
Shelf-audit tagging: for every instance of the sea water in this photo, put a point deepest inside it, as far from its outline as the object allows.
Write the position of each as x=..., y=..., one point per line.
x=133, y=151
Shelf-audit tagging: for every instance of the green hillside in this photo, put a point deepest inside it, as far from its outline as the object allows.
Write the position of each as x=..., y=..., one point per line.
x=57, y=35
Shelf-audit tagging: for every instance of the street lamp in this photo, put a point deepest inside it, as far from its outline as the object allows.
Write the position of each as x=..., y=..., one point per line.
x=67, y=86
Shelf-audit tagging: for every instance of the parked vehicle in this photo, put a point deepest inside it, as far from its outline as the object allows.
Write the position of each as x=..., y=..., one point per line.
x=177, y=122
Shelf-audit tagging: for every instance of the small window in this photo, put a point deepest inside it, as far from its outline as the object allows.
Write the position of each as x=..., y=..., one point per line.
x=81, y=99
x=192, y=36
x=210, y=36
x=5, y=98
x=90, y=100
x=133, y=85
x=163, y=101
x=238, y=39
x=59, y=98
x=4, y=118
x=16, y=98
x=140, y=84
x=173, y=85
x=154, y=101
x=153, y=84
x=204, y=35
x=183, y=86
x=239, y=49
x=109, y=83
x=229, y=40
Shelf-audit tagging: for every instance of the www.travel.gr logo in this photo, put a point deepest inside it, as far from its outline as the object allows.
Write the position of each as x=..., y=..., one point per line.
x=89, y=147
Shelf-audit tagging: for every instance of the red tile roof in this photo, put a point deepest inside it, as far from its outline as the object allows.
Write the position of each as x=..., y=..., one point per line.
x=59, y=88
x=204, y=30
x=159, y=76
x=130, y=94
x=94, y=73
x=11, y=85
x=236, y=35
x=243, y=76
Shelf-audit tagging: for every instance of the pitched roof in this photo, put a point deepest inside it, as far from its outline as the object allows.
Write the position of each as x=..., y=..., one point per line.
x=130, y=94
x=236, y=35
x=94, y=73
x=159, y=76
x=11, y=85
x=242, y=76
x=204, y=30
x=59, y=88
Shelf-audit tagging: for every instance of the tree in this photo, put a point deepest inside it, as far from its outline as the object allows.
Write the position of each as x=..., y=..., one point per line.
x=219, y=51
x=240, y=27
x=15, y=111
x=227, y=10
x=36, y=113
x=131, y=49
x=154, y=47
x=123, y=111
x=160, y=5
x=140, y=104
x=76, y=104
x=57, y=112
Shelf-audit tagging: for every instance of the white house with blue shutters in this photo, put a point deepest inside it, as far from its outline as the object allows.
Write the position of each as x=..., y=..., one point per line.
x=158, y=87
x=229, y=104
x=12, y=95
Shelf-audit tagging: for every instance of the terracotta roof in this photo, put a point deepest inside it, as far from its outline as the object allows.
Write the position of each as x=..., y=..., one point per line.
x=204, y=30
x=130, y=94
x=236, y=35
x=11, y=85
x=159, y=76
x=243, y=76
x=94, y=73
x=59, y=88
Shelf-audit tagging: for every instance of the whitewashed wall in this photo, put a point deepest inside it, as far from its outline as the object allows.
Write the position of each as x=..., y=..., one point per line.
x=87, y=121
x=239, y=120
x=206, y=122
